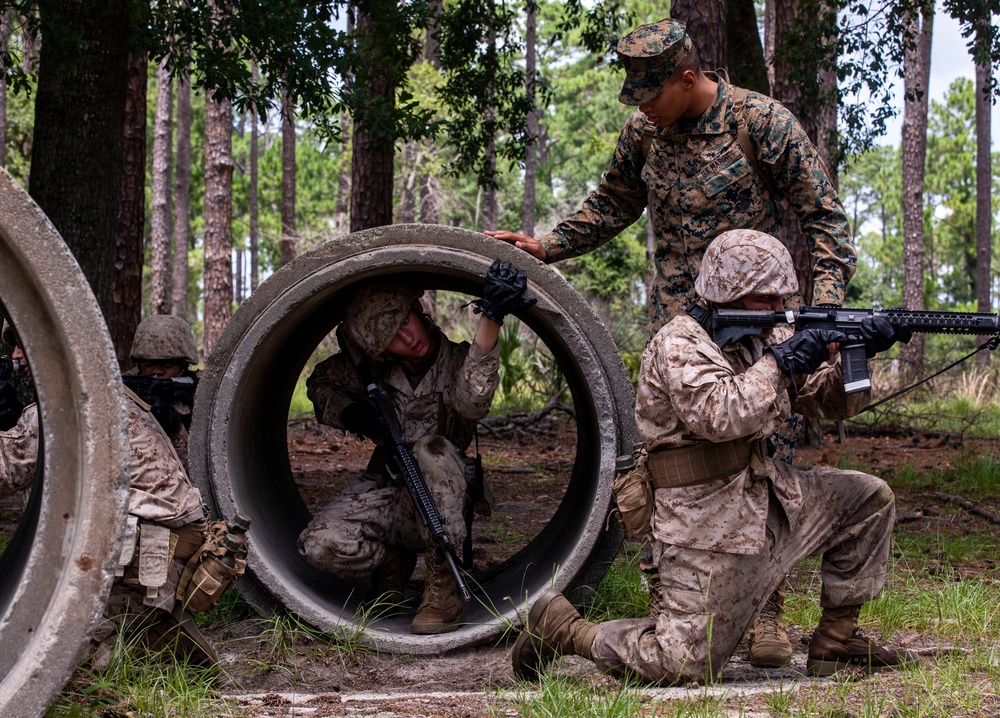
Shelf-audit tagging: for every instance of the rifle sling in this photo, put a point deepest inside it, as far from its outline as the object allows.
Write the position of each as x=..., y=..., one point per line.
x=698, y=463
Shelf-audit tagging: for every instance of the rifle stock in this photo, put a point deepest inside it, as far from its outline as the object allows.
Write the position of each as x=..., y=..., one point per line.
x=416, y=485
x=727, y=325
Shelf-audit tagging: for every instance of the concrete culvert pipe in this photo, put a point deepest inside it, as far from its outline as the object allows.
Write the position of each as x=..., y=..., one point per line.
x=239, y=445
x=56, y=570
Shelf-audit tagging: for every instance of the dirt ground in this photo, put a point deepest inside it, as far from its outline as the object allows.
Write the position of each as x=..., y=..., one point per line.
x=528, y=472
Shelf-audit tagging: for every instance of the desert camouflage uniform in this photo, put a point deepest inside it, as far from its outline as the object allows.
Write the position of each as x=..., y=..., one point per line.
x=180, y=438
x=19, y=452
x=697, y=183
x=724, y=545
x=438, y=418
x=159, y=492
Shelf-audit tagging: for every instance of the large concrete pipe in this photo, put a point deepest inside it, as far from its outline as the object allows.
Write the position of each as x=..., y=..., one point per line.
x=56, y=571
x=239, y=448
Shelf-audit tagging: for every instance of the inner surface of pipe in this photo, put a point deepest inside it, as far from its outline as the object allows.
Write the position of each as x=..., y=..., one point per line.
x=239, y=441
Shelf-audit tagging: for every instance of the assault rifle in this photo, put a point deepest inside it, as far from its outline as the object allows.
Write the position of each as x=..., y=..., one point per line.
x=727, y=325
x=170, y=390
x=7, y=365
x=402, y=461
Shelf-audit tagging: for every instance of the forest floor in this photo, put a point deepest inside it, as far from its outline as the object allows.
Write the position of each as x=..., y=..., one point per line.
x=269, y=673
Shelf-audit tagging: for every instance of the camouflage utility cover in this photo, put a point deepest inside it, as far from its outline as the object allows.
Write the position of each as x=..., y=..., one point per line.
x=374, y=314
x=743, y=261
x=163, y=336
x=649, y=55
x=697, y=183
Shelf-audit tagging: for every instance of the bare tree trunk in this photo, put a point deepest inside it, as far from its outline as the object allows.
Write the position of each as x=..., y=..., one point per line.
x=218, y=218
x=182, y=201
x=706, y=26
x=126, y=308
x=407, y=195
x=253, y=199
x=288, y=238
x=916, y=67
x=746, y=54
x=429, y=187
x=238, y=276
x=531, y=152
x=4, y=39
x=160, y=220
x=371, y=161
x=984, y=215
x=490, y=192
x=428, y=184
x=340, y=208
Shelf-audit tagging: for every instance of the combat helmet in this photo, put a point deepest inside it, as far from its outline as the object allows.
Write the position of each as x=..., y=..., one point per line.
x=163, y=336
x=744, y=261
x=374, y=314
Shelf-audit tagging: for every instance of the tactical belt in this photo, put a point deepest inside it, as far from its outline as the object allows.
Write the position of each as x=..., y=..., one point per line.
x=697, y=463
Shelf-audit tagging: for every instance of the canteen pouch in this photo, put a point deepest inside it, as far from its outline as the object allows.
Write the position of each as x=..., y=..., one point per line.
x=205, y=576
x=633, y=492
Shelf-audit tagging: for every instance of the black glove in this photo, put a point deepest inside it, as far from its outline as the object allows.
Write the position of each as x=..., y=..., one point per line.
x=167, y=415
x=362, y=419
x=879, y=335
x=10, y=407
x=804, y=351
x=503, y=292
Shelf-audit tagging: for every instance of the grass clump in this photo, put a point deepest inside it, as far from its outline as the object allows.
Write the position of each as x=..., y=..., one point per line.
x=557, y=697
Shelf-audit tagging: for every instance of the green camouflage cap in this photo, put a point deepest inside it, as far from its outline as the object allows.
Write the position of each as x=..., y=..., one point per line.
x=649, y=55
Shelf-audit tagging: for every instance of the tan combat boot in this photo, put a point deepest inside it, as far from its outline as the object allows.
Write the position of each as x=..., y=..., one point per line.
x=769, y=644
x=441, y=610
x=838, y=643
x=554, y=628
x=389, y=580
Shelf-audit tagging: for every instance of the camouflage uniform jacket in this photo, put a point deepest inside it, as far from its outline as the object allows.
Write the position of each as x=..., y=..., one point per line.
x=692, y=391
x=19, y=452
x=159, y=490
x=180, y=438
x=697, y=183
x=453, y=395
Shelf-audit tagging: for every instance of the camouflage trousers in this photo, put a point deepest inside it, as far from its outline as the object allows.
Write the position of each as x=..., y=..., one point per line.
x=710, y=599
x=348, y=537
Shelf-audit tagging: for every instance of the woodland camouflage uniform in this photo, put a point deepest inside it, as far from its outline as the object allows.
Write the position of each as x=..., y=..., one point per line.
x=696, y=183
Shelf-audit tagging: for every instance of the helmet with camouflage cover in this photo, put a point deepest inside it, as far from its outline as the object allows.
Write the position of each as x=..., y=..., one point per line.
x=741, y=262
x=374, y=314
x=163, y=336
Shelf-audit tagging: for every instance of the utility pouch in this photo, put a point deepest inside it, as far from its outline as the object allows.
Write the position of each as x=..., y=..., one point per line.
x=633, y=492
x=211, y=571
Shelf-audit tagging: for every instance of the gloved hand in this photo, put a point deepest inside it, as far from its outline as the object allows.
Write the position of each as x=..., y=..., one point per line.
x=879, y=335
x=167, y=415
x=10, y=407
x=504, y=292
x=362, y=419
x=804, y=351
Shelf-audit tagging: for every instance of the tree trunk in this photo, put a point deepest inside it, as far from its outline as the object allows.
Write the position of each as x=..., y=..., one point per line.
x=746, y=54
x=182, y=201
x=4, y=39
x=253, y=198
x=218, y=218
x=160, y=220
x=706, y=26
x=427, y=183
x=916, y=67
x=984, y=215
x=490, y=191
x=371, y=161
x=531, y=151
x=407, y=194
x=288, y=238
x=126, y=308
x=341, y=207
x=78, y=151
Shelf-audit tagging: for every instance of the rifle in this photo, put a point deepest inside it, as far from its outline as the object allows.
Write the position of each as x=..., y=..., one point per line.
x=7, y=365
x=727, y=325
x=407, y=468
x=170, y=390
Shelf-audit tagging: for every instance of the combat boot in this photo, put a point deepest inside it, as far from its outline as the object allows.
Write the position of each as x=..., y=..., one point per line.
x=388, y=588
x=178, y=632
x=554, y=628
x=769, y=644
x=441, y=610
x=838, y=643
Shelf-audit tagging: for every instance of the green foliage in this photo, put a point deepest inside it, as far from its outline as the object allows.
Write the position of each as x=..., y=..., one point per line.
x=556, y=697
x=622, y=593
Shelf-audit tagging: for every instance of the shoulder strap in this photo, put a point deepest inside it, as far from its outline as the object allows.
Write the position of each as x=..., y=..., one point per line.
x=746, y=142
x=647, y=138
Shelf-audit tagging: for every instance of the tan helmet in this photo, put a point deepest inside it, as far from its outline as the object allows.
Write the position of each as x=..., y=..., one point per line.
x=744, y=261
x=374, y=314
x=163, y=336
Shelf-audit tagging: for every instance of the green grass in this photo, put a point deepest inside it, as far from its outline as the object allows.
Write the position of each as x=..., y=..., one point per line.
x=559, y=697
